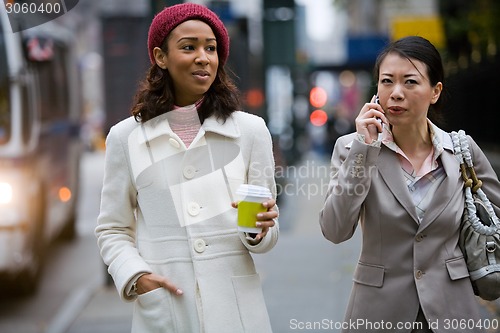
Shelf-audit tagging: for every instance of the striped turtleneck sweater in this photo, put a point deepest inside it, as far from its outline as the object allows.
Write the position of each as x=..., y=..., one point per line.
x=185, y=122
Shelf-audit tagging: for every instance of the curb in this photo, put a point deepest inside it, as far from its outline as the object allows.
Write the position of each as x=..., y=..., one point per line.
x=72, y=307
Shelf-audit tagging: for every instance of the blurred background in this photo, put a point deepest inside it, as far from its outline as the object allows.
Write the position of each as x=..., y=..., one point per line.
x=305, y=66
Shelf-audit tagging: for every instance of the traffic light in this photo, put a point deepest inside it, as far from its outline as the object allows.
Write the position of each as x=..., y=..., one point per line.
x=279, y=32
x=318, y=97
x=318, y=117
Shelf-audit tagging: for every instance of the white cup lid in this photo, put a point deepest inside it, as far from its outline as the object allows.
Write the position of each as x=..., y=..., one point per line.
x=248, y=190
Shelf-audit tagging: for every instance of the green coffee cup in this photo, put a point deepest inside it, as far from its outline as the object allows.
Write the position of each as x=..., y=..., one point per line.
x=249, y=205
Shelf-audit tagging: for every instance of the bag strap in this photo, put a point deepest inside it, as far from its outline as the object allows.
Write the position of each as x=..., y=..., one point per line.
x=462, y=150
x=473, y=185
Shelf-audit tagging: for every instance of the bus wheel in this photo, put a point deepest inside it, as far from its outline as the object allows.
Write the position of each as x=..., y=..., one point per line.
x=68, y=232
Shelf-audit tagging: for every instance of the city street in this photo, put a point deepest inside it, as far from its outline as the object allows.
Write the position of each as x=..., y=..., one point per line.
x=72, y=272
x=312, y=70
x=306, y=279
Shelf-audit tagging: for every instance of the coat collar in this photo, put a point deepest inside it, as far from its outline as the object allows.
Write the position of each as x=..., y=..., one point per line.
x=443, y=137
x=159, y=126
x=227, y=128
x=440, y=139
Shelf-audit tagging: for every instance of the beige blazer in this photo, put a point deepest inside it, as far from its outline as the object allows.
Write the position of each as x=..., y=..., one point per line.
x=403, y=263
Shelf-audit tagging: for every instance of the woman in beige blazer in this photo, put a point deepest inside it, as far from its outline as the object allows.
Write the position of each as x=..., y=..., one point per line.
x=398, y=178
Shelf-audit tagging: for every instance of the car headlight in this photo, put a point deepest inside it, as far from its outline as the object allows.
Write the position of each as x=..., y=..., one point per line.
x=5, y=193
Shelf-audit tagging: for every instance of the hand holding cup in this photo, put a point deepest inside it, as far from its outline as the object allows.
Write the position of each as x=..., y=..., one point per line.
x=255, y=210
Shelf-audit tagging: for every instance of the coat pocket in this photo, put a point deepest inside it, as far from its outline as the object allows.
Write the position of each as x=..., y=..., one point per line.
x=154, y=312
x=457, y=268
x=251, y=304
x=370, y=275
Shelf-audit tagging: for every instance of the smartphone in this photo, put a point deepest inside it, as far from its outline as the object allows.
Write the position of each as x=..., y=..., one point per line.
x=377, y=100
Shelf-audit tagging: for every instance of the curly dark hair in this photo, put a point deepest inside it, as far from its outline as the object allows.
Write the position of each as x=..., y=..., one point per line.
x=155, y=96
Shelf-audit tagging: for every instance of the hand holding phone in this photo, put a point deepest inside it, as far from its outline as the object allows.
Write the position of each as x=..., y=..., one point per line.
x=377, y=100
x=370, y=121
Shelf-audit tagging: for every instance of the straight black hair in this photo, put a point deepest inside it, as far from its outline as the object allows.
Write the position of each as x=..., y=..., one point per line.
x=419, y=48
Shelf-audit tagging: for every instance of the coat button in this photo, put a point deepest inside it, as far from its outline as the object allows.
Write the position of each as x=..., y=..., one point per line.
x=189, y=171
x=420, y=237
x=199, y=245
x=174, y=143
x=193, y=209
x=419, y=274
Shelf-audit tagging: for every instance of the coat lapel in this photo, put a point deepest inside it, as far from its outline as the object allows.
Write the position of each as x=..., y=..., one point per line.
x=390, y=169
x=441, y=198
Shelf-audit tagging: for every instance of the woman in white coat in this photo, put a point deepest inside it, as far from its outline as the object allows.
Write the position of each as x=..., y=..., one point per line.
x=167, y=226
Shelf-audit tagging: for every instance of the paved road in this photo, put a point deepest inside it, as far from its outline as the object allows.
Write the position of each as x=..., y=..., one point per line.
x=306, y=279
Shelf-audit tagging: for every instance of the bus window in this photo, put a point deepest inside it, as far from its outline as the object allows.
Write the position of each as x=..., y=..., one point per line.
x=28, y=116
x=4, y=93
x=53, y=87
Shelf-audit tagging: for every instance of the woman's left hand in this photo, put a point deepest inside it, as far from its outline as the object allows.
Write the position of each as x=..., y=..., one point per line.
x=265, y=220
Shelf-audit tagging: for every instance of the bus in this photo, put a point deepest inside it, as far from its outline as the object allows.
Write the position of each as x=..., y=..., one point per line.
x=39, y=148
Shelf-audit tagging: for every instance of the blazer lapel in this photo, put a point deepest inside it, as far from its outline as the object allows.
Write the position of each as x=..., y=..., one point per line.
x=390, y=169
x=442, y=196
x=392, y=174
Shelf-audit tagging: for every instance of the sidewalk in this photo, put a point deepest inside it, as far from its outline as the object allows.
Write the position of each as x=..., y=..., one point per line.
x=304, y=277
x=104, y=313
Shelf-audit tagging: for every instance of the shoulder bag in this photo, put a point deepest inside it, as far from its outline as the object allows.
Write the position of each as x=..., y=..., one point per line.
x=480, y=228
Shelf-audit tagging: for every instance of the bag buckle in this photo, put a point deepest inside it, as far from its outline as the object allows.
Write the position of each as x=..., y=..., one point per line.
x=491, y=247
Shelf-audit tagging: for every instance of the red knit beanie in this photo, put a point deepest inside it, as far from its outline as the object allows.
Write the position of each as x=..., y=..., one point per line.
x=170, y=17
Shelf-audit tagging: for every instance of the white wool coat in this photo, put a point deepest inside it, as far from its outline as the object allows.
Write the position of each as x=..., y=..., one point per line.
x=167, y=209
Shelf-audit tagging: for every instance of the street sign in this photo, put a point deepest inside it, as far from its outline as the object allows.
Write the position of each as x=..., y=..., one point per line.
x=430, y=27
